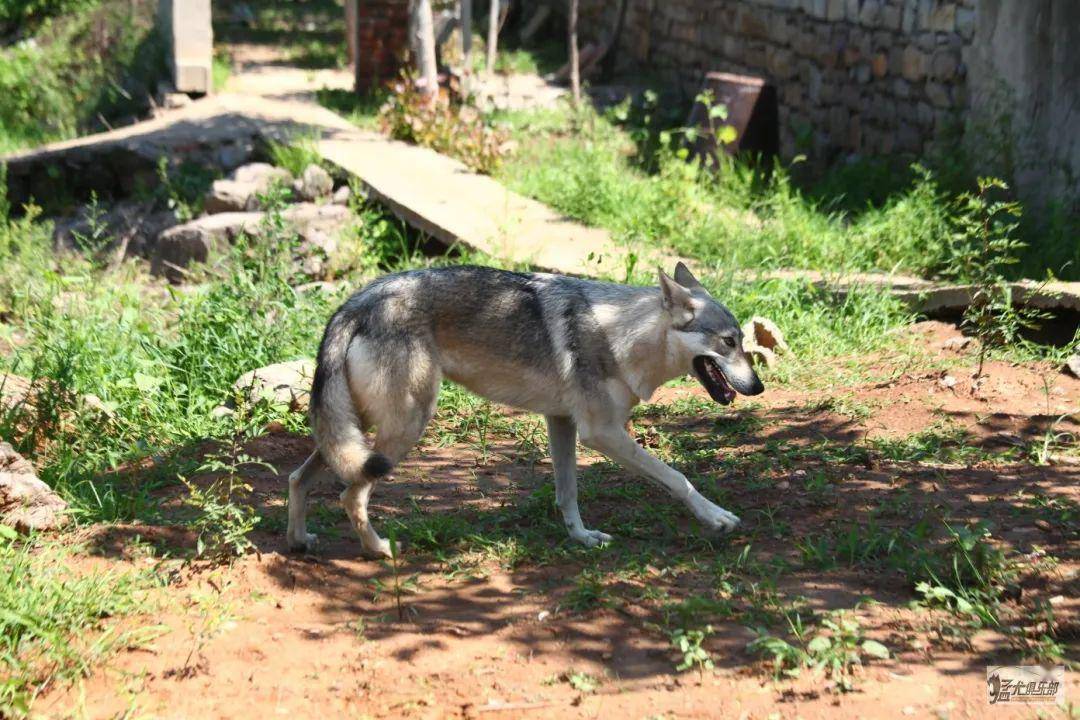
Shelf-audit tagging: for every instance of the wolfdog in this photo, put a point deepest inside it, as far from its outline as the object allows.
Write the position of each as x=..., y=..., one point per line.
x=579, y=352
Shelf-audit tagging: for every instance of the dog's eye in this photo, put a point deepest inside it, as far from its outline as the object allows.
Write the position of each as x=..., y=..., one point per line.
x=729, y=341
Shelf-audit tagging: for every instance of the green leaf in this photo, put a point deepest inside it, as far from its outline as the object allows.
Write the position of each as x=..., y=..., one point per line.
x=727, y=134
x=819, y=645
x=146, y=383
x=718, y=111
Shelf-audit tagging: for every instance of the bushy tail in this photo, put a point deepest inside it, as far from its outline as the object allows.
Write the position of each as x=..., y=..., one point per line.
x=334, y=417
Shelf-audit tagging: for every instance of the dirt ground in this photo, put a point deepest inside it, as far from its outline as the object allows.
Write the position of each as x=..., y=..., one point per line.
x=506, y=633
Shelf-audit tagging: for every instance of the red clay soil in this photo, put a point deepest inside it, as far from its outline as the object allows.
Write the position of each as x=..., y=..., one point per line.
x=320, y=635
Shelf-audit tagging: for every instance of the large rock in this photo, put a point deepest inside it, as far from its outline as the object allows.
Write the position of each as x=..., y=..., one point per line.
x=319, y=228
x=195, y=241
x=285, y=383
x=26, y=503
x=241, y=190
x=1072, y=365
x=128, y=225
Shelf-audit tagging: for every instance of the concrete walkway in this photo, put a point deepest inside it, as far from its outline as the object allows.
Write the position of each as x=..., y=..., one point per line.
x=436, y=194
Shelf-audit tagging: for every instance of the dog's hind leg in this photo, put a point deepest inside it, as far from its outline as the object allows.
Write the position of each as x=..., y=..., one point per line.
x=399, y=421
x=562, y=434
x=297, y=536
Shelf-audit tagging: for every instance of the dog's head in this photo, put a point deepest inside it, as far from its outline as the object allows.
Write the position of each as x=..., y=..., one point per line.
x=709, y=336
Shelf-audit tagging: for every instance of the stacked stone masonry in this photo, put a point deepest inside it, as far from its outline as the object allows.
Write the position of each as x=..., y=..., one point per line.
x=853, y=76
x=383, y=40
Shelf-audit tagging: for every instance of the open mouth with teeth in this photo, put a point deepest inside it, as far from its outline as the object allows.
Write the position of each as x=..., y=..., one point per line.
x=712, y=377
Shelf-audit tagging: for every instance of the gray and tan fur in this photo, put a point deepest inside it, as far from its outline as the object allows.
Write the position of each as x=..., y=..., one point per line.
x=581, y=353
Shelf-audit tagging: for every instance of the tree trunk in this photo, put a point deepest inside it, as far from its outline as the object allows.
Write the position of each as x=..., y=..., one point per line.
x=423, y=42
x=575, y=65
x=357, y=51
x=465, y=13
x=493, y=35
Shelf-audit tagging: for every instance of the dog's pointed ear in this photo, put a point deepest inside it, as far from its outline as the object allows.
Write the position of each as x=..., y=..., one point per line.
x=684, y=277
x=677, y=301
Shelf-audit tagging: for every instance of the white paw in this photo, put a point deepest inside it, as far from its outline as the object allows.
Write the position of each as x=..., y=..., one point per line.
x=716, y=519
x=305, y=544
x=380, y=550
x=590, y=538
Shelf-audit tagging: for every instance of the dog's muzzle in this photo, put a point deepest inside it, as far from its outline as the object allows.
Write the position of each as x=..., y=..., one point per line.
x=723, y=385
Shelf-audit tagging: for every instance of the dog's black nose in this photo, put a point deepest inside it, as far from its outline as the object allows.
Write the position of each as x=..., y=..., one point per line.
x=757, y=387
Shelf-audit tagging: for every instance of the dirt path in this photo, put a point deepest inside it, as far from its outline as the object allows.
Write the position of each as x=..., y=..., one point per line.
x=501, y=617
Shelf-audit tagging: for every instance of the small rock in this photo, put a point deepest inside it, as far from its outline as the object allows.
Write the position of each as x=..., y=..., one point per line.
x=908, y=710
x=543, y=615
x=260, y=174
x=97, y=407
x=763, y=341
x=783, y=485
x=1072, y=365
x=765, y=333
x=943, y=712
x=315, y=183
x=342, y=195
x=26, y=503
x=222, y=411
x=241, y=190
x=956, y=344
x=759, y=355
x=1044, y=525
x=14, y=391
x=1057, y=600
x=285, y=383
x=175, y=100
x=948, y=382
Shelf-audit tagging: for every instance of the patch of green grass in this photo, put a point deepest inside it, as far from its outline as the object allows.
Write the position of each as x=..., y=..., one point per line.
x=360, y=110
x=295, y=153
x=53, y=618
x=221, y=68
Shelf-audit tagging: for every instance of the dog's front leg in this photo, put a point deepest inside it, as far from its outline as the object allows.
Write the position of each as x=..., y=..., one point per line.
x=617, y=444
x=562, y=433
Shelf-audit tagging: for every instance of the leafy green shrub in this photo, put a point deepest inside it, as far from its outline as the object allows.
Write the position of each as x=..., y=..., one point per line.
x=836, y=649
x=225, y=517
x=81, y=69
x=442, y=125
x=984, y=247
x=687, y=644
x=25, y=16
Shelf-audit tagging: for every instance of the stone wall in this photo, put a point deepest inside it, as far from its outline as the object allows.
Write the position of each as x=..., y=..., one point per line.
x=383, y=40
x=1024, y=85
x=854, y=76
x=886, y=76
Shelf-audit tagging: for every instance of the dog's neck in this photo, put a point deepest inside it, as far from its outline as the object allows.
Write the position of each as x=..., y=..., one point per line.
x=652, y=339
